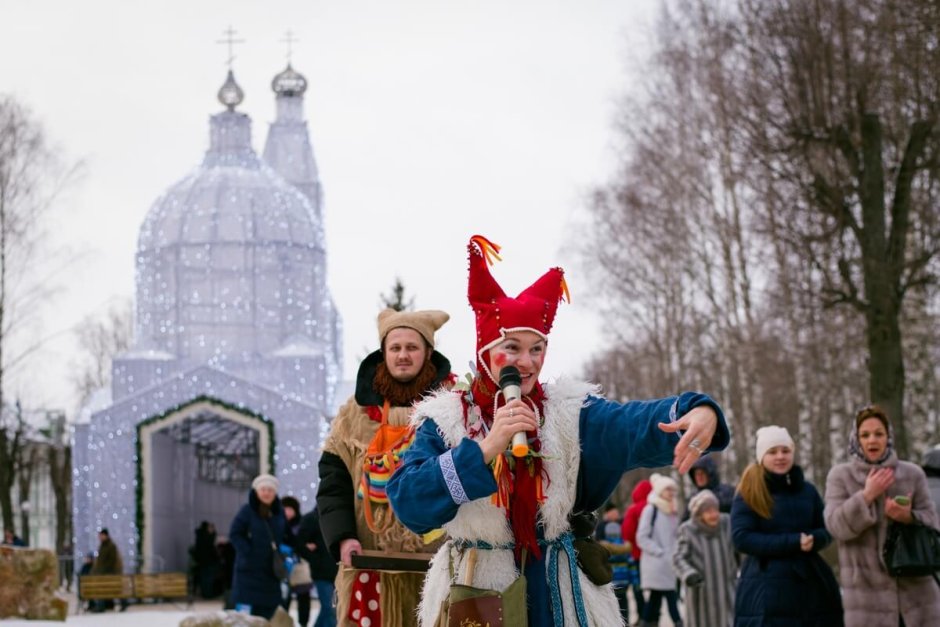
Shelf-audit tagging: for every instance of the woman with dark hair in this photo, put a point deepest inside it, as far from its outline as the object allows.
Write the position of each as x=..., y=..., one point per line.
x=258, y=529
x=517, y=512
x=864, y=496
x=777, y=523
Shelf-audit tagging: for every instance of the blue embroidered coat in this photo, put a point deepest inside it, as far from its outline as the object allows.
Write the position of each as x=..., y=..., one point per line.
x=587, y=444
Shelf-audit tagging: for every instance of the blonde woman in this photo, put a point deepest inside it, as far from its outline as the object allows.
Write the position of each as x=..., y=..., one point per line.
x=777, y=523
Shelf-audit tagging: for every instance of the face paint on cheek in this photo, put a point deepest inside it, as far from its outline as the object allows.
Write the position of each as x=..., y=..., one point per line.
x=499, y=360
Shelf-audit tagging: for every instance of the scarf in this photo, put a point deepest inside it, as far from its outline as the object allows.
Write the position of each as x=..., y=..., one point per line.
x=518, y=481
x=666, y=507
x=855, y=447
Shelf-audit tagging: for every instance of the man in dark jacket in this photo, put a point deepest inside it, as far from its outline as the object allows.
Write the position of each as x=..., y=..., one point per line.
x=354, y=511
x=704, y=476
x=311, y=546
x=108, y=562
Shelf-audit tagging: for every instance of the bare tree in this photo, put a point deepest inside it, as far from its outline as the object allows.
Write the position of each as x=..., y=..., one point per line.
x=713, y=249
x=100, y=339
x=843, y=104
x=12, y=439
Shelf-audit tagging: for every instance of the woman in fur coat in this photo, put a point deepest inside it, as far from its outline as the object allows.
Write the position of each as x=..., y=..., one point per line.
x=777, y=523
x=706, y=563
x=656, y=536
x=860, y=505
x=506, y=511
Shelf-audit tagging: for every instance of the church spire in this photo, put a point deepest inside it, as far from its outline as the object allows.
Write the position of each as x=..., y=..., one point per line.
x=230, y=94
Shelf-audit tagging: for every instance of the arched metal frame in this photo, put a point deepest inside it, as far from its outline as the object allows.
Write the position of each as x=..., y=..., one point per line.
x=180, y=418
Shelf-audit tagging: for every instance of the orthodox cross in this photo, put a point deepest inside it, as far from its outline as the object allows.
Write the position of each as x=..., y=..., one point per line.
x=290, y=40
x=231, y=41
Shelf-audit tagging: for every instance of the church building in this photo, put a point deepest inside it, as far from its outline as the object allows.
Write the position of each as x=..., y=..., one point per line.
x=237, y=346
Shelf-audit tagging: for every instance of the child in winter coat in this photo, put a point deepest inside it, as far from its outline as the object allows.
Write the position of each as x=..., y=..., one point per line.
x=656, y=536
x=706, y=562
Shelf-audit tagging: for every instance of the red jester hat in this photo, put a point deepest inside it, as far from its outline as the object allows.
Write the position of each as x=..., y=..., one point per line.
x=497, y=314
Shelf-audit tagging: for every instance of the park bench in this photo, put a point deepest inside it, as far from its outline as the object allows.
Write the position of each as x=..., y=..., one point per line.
x=141, y=586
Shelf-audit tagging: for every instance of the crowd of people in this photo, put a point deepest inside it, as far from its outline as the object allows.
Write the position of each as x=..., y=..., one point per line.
x=494, y=483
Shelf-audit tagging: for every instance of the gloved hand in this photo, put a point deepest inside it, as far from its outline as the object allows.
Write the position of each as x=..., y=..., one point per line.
x=694, y=579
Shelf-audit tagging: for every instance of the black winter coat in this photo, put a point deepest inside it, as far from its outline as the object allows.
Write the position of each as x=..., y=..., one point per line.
x=780, y=585
x=322, y=565
x=722, y=491
x=254, y=581
x=336, y=493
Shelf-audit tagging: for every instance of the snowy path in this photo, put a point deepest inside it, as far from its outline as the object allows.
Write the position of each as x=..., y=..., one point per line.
x=146, y=615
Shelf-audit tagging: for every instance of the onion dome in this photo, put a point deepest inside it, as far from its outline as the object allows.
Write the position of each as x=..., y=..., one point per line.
x=230, y=94
x=289, y=83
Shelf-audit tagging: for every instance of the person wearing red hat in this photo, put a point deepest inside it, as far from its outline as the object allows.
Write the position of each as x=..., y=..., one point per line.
x=524, y=513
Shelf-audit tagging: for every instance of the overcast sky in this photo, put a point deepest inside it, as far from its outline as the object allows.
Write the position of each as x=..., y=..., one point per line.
x=430, y=120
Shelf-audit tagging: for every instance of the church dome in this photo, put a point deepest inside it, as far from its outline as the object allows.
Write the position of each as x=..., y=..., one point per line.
x=289, y=83
x=230, y=260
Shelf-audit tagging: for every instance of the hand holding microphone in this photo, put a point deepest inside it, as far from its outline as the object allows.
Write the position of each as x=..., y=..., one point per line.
x=511, y=420
x=510, y=382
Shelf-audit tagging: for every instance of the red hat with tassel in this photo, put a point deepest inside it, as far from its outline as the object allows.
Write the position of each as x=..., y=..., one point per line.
x=497, y=314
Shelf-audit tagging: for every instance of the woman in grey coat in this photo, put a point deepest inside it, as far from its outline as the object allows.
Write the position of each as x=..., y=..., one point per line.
x=706, y=563
x=656, y=536
x=862, y=499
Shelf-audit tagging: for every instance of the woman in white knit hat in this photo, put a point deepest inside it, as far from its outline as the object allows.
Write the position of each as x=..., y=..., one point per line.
x=258, y=527
x=656, y=536
x=777, y=523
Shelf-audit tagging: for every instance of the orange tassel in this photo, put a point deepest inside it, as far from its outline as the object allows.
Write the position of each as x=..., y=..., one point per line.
x=564, y=291
x=489, y=249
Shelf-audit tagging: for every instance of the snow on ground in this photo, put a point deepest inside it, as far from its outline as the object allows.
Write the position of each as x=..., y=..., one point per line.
x=144, y=615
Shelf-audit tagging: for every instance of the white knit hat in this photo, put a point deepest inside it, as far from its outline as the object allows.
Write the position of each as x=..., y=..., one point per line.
x=769, y=437
x=265, y=480
x=661, y=482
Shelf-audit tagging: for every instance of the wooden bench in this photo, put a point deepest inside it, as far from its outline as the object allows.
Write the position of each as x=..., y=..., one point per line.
x=142, y=586
x=161, y=586
x=105, y=587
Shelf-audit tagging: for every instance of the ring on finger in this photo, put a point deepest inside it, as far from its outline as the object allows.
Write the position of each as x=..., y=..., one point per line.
x=696, y=448
x=510, y=412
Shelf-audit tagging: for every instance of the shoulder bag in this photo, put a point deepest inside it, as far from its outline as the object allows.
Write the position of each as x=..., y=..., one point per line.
x=278, y=563
x=466, y=605
x=912, y=550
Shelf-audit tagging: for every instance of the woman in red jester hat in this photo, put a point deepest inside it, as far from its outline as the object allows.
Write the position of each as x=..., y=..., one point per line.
x=526, y=514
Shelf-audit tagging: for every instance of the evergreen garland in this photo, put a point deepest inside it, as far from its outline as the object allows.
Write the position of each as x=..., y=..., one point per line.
x=139, y=472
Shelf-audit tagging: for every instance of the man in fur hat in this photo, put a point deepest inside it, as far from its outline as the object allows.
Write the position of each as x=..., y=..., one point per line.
x=366, y=438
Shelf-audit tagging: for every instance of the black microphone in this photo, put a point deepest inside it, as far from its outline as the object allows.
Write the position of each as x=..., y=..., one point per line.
x=510, y=382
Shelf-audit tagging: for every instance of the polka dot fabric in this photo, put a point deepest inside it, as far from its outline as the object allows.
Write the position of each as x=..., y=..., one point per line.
x=364, y=607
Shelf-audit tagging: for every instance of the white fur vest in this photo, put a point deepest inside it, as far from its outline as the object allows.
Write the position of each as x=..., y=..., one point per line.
x=480, y=520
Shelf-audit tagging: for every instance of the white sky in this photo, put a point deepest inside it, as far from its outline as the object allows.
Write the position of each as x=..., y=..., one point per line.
x=430, y=120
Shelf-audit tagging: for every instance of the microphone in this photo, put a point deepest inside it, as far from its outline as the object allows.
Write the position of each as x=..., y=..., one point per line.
x=510, y=382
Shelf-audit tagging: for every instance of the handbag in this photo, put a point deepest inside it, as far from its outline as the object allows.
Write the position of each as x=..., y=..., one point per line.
x=466, y=605
x=300, y=574
x=278, y=563
x=912, y=550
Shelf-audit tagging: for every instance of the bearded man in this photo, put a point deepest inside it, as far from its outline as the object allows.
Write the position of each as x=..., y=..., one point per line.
x=366, y=439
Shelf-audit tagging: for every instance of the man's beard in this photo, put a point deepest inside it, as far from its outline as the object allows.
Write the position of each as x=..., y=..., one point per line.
x=403, y=393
